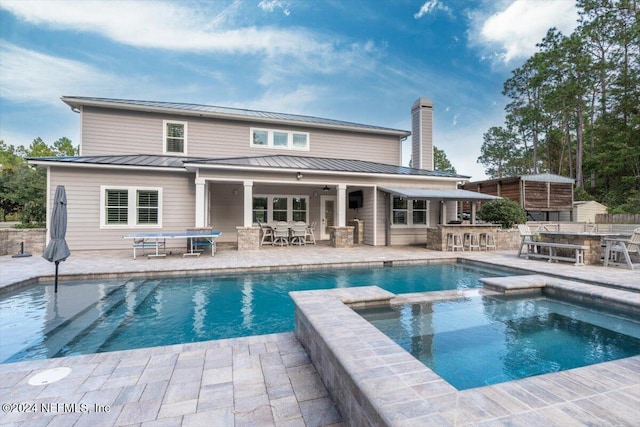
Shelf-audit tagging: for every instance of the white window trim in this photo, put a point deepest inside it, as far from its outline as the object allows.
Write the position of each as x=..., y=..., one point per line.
x=289, y=198
x=409, y=210
x=270, y=145
x=164, y=137
x=132, y=214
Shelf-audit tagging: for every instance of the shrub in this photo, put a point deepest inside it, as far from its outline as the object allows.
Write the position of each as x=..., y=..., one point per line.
x=505, y=212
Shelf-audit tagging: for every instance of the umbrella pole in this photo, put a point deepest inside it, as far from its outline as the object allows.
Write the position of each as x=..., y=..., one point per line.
x=56, y=280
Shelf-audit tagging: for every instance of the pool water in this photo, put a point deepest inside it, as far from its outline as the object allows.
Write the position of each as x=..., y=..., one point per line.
x=106, y=315
x=482, y=340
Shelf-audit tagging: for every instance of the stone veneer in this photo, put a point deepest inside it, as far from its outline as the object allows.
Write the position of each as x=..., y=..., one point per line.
x=341, y=237
x=504, y=239
x=248, y=238
x=33, y=238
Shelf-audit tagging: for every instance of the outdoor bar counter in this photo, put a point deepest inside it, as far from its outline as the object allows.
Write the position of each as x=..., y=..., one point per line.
x=437, y=236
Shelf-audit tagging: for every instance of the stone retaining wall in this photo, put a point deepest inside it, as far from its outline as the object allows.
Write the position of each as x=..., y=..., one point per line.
x=34, y=240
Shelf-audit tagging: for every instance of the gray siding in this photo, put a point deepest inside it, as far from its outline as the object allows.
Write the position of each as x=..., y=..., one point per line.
x=107, y=132
x=83, y=193
x=226, y=208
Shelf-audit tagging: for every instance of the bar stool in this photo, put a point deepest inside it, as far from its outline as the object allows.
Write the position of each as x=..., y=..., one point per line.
x=454, y=241
x=471, y=241
x=487, y=241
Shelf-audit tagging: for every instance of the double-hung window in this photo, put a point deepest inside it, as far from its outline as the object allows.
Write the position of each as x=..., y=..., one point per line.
x=409, y=212
x=116, y=207
x=175, y=137
x=280, y=139
x=131, y=207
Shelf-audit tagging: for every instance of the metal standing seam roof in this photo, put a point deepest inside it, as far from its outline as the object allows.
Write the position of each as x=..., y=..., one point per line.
x=270, y=162
x=548, y=177
x=226, y=112
x=119, y=160
x=321, y=164
x=439, y=194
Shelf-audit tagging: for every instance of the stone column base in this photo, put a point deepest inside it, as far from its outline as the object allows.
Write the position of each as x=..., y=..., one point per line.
x=341, y=237
x=248, y=238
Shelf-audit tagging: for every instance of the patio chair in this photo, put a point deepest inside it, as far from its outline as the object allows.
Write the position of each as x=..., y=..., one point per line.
x=281, y=234
x=299, y=233
x=310, y=237
x=526, y=235
x=267, y=234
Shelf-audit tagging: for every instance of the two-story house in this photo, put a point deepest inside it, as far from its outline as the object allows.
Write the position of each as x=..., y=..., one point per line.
x=163, y=166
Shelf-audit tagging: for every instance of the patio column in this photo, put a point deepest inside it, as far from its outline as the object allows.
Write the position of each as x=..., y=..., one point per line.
x=342, y=205
x=248, y=203
x=200, y=202
x=474, y=206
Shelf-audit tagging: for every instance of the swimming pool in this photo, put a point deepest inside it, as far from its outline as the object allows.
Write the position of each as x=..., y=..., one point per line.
x=484, y=340
x=107, y=315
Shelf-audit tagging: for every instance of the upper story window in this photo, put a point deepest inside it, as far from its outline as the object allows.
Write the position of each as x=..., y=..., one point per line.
x=131, y=207
x=288, y=140
x=175, y=137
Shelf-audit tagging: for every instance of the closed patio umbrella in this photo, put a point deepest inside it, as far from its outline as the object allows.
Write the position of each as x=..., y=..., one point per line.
x=57, y=249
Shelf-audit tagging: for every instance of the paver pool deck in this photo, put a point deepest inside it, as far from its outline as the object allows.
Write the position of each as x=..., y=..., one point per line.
x=269, y=380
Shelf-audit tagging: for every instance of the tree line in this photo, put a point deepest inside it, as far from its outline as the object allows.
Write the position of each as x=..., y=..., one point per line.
x=574, y=108
x=23, y=187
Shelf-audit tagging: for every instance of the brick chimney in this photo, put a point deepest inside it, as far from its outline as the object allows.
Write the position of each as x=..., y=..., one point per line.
x=422, y=134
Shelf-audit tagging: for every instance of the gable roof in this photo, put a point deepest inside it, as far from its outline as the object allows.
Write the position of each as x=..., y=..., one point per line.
x=199, y=110
x=297, y=163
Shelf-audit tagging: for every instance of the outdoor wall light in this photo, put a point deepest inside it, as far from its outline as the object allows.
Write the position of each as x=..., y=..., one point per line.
x=299, y=176
x=235, y=191
x=325, y=188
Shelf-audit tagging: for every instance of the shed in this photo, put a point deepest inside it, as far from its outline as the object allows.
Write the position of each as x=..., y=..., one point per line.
x=545, y=196
x=585, y=211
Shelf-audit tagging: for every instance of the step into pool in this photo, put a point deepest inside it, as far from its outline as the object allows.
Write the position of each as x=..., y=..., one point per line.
x=107, y=315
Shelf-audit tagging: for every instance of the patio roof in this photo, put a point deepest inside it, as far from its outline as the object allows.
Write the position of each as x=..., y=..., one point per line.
x=319, y=164
x=432, y=194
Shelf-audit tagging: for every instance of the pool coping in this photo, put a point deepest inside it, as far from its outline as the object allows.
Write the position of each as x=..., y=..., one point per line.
x=373, y=381
x=85, y=264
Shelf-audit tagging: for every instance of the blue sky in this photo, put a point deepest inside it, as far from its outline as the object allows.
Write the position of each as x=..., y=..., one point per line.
x=363, y=61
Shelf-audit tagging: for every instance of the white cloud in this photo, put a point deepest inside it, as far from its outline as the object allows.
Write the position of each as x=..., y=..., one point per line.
x=164, y=25
x=202, y=28
x=29, y=76
x=430, y=6
x=293, y=102
x=271, y=5
x=513, y=32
